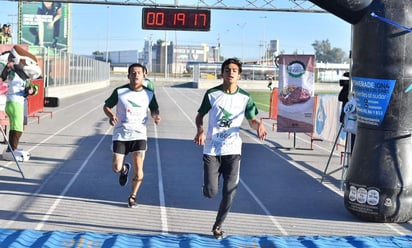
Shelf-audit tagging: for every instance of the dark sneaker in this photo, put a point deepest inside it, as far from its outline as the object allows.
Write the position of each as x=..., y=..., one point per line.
x=124, y=174
x=217, y=232
x=132, y=202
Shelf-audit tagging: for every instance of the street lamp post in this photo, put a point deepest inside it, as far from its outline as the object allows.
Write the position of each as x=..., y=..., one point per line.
x=218, y=47
x=241, y=27
x=150, y=67
x=107, y=34
x=165, y=55
x=264, y=57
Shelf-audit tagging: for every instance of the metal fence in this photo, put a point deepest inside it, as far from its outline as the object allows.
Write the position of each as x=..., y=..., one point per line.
x=61, y=68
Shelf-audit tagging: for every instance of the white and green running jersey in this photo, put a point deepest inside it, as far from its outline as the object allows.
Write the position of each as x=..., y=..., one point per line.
x=16, y=86
x=148, y=84
x=132, y=112
x=226, y=114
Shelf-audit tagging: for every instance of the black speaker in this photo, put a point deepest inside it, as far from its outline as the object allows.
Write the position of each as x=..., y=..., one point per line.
x=51, y=102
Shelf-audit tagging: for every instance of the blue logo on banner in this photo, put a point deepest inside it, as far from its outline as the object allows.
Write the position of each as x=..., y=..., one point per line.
x=408, y=89
x=372, y=98
x=320, y=117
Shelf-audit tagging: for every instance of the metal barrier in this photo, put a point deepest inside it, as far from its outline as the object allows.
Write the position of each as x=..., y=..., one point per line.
x=61, y=71
x=61, y=68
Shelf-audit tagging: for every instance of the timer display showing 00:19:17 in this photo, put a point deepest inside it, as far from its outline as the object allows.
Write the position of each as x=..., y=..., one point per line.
x=176, y=19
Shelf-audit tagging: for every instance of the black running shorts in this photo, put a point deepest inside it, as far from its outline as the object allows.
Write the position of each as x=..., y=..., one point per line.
x=124, y=147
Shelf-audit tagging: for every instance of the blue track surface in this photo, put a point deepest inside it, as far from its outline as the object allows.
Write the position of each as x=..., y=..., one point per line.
x=31, y=238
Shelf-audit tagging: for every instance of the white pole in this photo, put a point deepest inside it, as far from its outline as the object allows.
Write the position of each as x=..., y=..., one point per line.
x=107, y=35
x=165, y=54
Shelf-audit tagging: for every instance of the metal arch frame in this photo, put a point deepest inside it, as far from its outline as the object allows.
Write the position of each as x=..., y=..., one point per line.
x=248, y=5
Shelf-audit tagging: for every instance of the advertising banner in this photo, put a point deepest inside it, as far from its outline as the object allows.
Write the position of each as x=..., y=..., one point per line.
x=296, y=93
x=44, y=24
x=327, y=124
x=372, y=98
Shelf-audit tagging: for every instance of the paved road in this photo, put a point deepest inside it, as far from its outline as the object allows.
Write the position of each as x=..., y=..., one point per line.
x=69, y=184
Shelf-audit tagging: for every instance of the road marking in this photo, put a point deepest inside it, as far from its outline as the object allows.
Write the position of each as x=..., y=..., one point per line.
x=72, y=180
x=262, y=206
x=36, y=193
x=391, y=226
x=60, y=109
x=258, y=201
x=163, y=212
x=181, y=110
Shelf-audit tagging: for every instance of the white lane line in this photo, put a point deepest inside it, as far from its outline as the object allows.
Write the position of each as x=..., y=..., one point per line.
x=60, y=109
x=64, y=128
x=7, y=165
x=36, y=193
x=262, y=206
x=258, y=201
x=181, y=110
x=391, y=226
x=293, y=163
x=163, y=212
x=69, y=185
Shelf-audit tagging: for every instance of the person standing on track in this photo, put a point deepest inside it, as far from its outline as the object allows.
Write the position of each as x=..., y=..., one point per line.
x=227, y=105
x=132, y=102
x=19, y=68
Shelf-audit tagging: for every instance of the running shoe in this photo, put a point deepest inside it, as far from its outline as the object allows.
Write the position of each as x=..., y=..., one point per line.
x=124, y=174
x=132, y=202
x=217, y=232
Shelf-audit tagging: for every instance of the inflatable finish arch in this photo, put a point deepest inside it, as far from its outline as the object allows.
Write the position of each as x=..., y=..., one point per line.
x=378, y=186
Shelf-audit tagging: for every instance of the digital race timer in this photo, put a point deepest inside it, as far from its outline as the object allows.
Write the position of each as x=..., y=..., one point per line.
x=176, y=19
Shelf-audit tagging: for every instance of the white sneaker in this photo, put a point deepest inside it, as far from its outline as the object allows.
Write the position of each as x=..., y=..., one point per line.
x=20, y=155
x=8, y=156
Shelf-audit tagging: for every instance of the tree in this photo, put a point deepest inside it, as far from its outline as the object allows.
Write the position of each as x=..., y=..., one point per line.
x=326, y=54
x=97, y=53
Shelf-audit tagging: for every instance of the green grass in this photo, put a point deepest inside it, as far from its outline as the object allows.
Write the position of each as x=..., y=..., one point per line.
x=262, y=99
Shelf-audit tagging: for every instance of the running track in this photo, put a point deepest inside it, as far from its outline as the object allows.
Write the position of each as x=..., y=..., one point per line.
x=69, y=186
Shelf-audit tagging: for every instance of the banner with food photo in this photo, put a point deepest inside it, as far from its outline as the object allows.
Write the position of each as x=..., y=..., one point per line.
x=296, y=93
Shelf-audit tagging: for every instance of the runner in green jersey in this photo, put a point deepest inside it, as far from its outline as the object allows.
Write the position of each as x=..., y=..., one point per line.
x=227, y=105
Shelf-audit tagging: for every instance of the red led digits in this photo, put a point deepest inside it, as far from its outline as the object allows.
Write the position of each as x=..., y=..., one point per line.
x=176, y=19
x=179, y=19
x=202, y=19
x=155, y=19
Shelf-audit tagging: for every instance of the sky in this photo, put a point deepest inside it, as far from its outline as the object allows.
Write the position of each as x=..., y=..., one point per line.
x=240, y=33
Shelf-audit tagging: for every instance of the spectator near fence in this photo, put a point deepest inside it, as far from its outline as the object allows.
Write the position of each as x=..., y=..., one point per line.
x=5, y=34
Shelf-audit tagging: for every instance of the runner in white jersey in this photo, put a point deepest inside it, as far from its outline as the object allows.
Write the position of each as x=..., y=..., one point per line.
x=132, y=102
x=227, y=105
